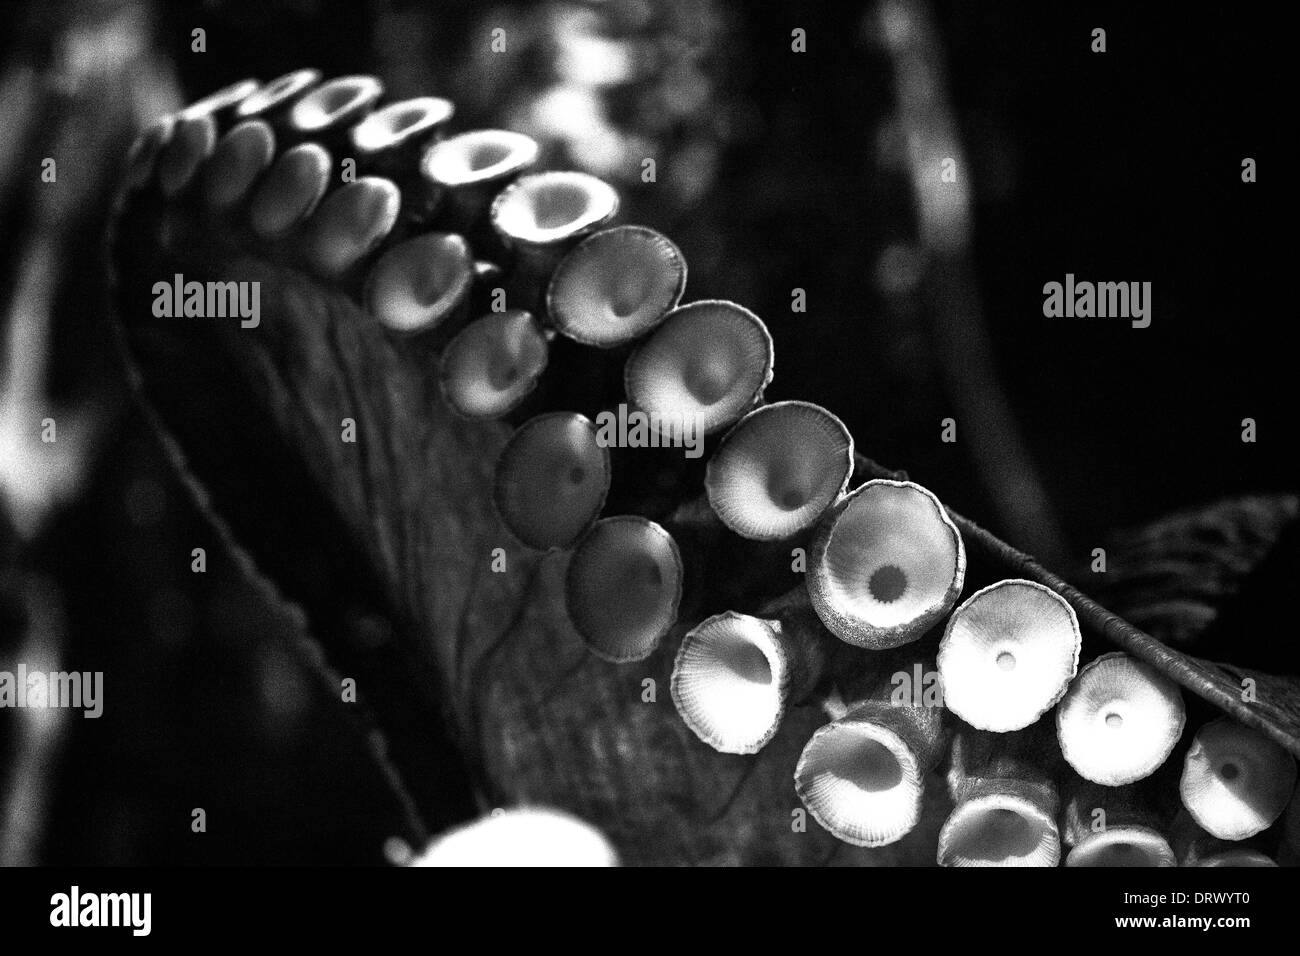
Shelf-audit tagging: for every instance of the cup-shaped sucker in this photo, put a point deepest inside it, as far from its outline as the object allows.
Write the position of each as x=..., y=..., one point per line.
x=1006, y=805
x=493, y=363
x=862, y=776
x=241, y=156
x=421, y=284
x=1119, y=720
x=1112, y=826
x=223, y=105
x=469, y=169
x=704, y=367
x=551, y=480
x=735, y=675
x=541, y=216
x=326, y=113
x=778, y=469
x=623, y=588
x=350, y=224
x=1235, y=857
x=526, y=836
x=142, y=159
x=615, y=286
x=290, y=190
x=1008, y=655
x=272, y=102
x=392, y=140
x=1194, y=846
x=1236, y=782
x=193, y=139
x=885, y=564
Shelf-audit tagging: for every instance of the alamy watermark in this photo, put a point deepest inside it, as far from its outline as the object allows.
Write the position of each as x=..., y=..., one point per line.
x=208, y=300
x=1101, y=300
x=636, y=429
x=133, y=911
x=76, y=690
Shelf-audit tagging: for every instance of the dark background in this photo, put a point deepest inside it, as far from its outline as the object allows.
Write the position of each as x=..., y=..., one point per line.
x=1122, y=166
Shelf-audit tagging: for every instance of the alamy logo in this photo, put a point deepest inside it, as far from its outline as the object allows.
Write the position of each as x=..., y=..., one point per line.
x=208, y=300
x=61, y=689
x=75, y=908
x=1102, y=300
x=634, y=429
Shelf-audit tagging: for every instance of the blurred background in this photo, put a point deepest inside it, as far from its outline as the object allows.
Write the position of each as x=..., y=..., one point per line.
x=776, y=170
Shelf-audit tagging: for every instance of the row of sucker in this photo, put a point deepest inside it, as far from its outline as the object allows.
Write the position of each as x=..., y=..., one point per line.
x=429, y=217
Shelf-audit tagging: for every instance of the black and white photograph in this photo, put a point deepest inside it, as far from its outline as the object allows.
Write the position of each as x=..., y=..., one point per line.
x=647, y=434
